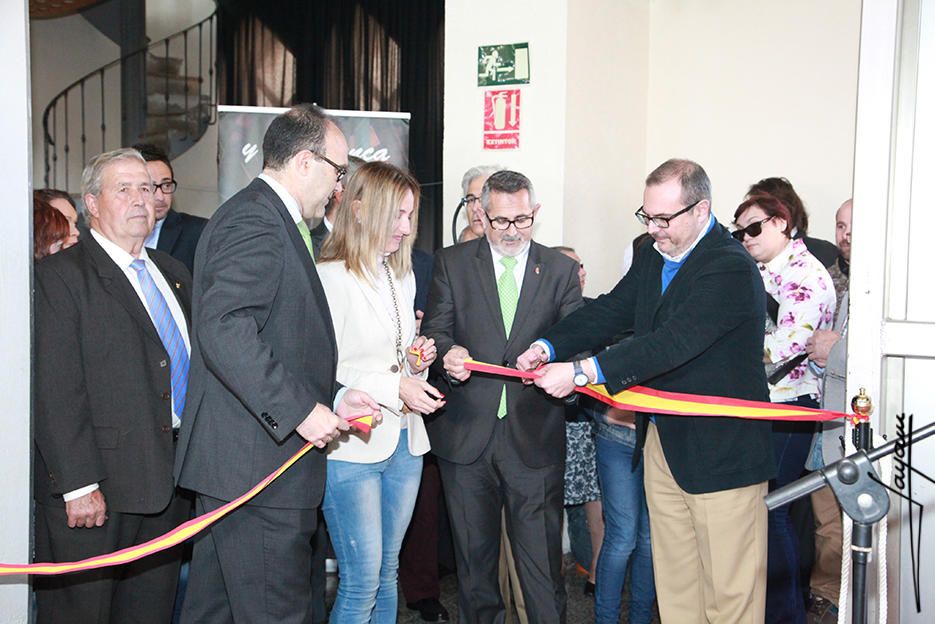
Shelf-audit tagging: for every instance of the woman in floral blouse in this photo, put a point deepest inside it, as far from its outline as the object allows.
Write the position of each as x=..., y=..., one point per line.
x=801, y=299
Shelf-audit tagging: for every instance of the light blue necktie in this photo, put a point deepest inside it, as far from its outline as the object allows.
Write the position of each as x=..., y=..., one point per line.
x=169, y=334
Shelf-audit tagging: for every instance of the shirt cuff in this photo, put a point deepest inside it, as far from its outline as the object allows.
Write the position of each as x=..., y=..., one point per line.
x=70, y=496
x=599, y=374
x=546, y=346
x=338, y=398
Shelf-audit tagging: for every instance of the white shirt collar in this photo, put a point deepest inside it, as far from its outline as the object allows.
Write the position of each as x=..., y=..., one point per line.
x=685, y=253
x=116, y=253
x=292, y=204
x=520, y=257
x=328, y=224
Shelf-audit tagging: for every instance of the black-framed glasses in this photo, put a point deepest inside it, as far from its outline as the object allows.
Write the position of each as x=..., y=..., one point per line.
x=168, y=187
x=661, y=222
x=502, y=223
x=470, y=199
x=753, y=230
x=341, y=171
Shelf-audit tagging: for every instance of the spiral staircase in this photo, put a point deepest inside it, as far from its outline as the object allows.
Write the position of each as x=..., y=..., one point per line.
x=164, y=93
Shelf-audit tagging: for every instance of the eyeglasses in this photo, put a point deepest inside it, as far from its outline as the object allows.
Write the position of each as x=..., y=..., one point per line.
x=470, y=199
x=661, y=222
x=502, y=223
x=168, y=187
x=341, y=171
x=753, y=230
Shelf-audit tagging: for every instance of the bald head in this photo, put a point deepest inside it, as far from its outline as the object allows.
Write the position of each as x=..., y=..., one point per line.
x=842, y=228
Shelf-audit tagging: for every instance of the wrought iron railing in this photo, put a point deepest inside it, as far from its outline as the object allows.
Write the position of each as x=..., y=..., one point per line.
x=178, y=102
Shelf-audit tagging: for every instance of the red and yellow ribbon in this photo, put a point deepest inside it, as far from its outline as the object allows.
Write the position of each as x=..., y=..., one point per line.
x=647, y=400
x=175, y=536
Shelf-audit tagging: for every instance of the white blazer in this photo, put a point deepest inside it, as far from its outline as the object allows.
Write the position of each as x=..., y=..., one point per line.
x=366, y=334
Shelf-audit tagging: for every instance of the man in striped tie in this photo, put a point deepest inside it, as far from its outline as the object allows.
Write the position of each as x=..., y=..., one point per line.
x=112, y=360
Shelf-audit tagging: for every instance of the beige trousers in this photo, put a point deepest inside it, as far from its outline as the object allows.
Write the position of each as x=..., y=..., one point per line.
x=709, y=550
x=826, y=573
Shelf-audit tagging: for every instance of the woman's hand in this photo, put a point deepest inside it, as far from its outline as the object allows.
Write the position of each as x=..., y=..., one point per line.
x=420, y=396
x=427, y=354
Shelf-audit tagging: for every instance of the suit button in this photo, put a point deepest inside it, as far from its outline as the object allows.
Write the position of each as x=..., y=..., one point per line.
x=163, y=364
x=394, y=368
x=166, y=429
x=166, y=396
x=274, y=425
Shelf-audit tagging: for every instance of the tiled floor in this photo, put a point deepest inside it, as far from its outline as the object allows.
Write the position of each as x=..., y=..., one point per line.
x=580, y=607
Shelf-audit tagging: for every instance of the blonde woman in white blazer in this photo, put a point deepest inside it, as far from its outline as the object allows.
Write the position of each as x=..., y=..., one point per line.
x=373, y=479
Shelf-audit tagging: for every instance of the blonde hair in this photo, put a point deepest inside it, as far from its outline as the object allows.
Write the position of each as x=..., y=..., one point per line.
x=377, y=189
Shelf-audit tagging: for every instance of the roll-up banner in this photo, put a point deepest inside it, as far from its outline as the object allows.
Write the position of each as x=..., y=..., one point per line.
x=370, y=136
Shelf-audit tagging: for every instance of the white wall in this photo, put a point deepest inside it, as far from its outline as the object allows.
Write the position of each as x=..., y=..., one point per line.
x=15, y=313
x=541, y=155
x=605, y=121
x=167, y=17
x=757, y=89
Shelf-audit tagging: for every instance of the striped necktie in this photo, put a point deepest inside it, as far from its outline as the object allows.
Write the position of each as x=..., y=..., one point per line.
x=509, y=295
x=168, y=332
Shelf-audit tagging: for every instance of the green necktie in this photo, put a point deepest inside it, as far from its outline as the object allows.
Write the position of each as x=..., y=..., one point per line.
x=509, y=295
x=306, y=236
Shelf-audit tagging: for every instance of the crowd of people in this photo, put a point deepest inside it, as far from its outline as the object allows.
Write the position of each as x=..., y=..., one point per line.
x=159, y=396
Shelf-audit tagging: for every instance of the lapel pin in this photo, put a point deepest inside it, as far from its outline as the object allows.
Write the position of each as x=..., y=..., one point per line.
x=537, y=269
x=178, y=285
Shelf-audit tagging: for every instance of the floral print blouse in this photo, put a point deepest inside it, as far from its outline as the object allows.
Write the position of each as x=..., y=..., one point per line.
x=805, y=292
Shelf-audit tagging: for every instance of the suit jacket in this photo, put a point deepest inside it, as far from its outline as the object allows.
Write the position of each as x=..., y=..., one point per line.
x=366, y=335
x=319, y=234
x=703, y=336
x=464, y=309
x=179, y=237
x=263, y=354
x=103, y=390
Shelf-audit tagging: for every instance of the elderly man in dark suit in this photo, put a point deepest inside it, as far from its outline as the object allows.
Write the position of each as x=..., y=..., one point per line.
x=263, y=381
x=175, y=233
x=112, y=360
x=696, y=304
x=501, y=445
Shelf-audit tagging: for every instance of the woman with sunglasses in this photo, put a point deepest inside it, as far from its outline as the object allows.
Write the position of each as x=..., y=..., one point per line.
x=373, y=479
x=800, y=300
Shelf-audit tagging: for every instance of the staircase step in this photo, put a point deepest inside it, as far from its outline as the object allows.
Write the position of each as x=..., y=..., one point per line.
x=178, y=103
x=184, y=124
x=156, y=85
x=161, y=65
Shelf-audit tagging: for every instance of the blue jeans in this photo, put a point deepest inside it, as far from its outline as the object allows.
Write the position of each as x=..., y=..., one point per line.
x=626, y=530
x=784, y=600
x=368, y=508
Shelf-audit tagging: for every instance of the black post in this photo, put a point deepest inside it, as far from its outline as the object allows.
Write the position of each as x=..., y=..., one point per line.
x=861, y=546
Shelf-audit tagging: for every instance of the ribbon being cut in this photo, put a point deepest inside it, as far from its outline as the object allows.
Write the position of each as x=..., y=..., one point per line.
x=636, y=398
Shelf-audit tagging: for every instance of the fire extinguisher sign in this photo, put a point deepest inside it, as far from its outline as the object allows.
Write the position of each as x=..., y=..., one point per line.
x=501, y=119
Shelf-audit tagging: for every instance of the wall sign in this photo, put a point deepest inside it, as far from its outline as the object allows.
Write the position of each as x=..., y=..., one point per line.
x=503, y=64
x=501, y=119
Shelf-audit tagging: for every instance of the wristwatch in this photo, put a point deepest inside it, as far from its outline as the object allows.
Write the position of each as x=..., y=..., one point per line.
x=580, y=378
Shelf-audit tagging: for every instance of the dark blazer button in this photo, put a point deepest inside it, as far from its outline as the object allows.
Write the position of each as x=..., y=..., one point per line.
x=166, y=396
x=274, y=425
x=504, y=363
x=394, y=368
x=166, y=428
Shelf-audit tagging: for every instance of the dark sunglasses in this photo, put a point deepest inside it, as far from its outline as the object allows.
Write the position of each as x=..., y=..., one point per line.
x=753, y=230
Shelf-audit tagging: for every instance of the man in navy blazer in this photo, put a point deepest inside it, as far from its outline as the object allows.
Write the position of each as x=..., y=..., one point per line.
x=696, y=305
x=263, y=381
x=175, y=233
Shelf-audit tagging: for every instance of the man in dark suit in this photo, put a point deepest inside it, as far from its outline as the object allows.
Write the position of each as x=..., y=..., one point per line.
x=175, y=233
x=112, y=351
x=501, y=445
x=263, y=381
x=696, y=304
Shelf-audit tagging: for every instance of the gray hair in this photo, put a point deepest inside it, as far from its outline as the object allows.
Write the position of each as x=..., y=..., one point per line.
x=480, y=171
x=94, y=171
x=691, y=176
x=509, y=182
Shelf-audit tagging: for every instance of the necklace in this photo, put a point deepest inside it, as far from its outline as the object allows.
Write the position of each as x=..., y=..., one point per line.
x=399, y=325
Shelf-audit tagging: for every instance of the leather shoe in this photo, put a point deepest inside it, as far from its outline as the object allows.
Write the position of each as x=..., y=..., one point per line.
x=430, y=609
